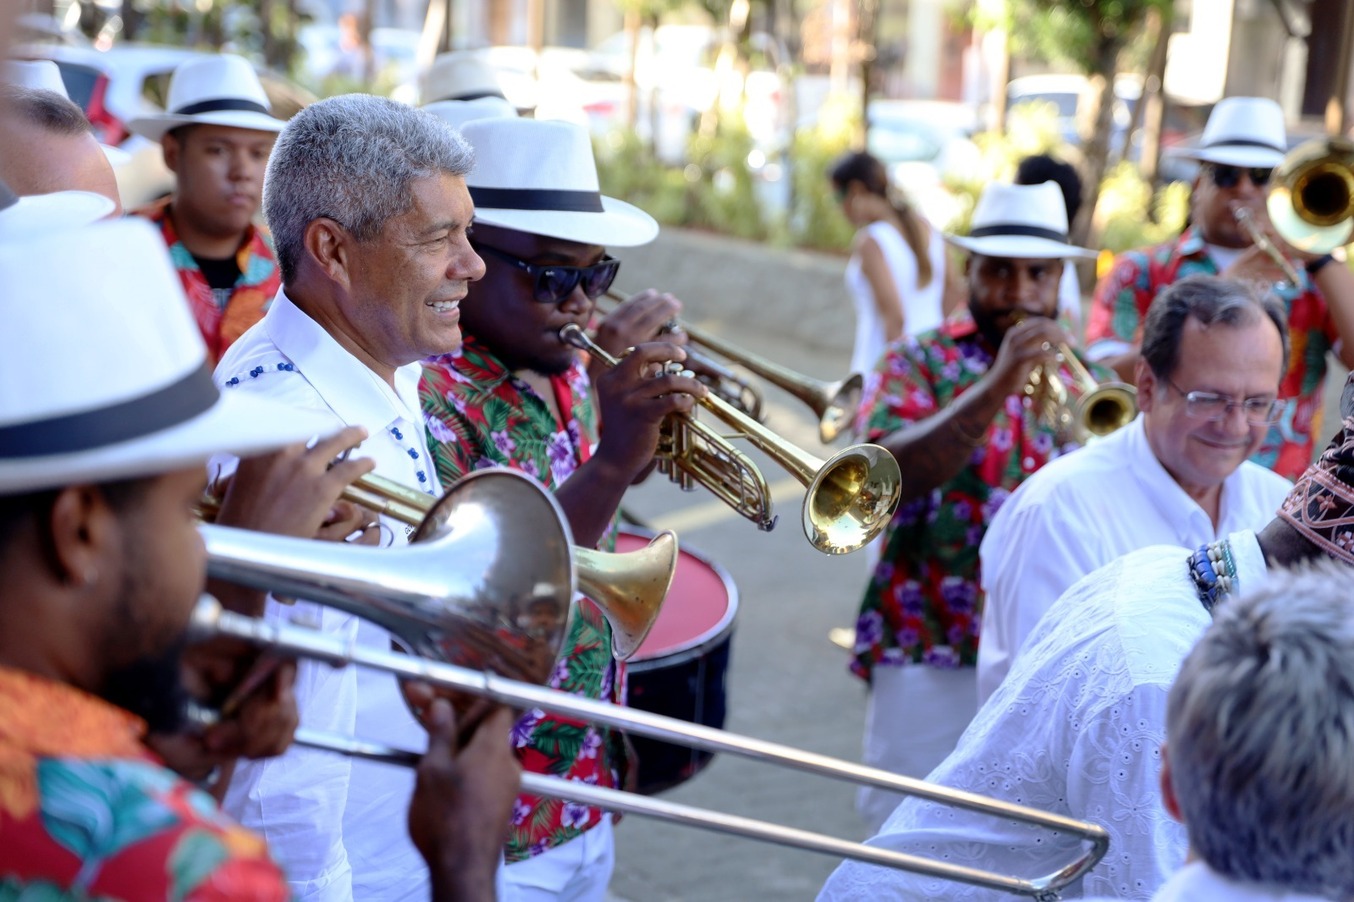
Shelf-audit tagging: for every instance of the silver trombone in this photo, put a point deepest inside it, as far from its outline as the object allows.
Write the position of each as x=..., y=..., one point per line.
x=307, y=573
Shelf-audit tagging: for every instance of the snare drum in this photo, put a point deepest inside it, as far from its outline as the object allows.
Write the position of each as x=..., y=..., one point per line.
x=680, y=668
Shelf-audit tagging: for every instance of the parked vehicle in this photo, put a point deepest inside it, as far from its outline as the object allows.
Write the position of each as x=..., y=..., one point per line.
x=924, y=143
x=117, y=85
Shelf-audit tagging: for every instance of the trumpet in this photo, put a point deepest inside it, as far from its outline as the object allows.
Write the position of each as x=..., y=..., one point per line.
x=834, y=403
x=850, y=496
x=628, y=588
x=1100, y=408
x=1311, y=203
x=370, y=578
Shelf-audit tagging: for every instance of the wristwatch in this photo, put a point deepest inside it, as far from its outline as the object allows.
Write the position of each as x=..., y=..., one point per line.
x=1315, y=266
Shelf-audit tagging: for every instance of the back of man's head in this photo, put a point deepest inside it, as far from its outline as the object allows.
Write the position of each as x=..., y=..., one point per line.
x=1260, y=728
x=51, y=146
x=1209, y=301
x=352, y=159
x=47, y=110
x=1040, y=168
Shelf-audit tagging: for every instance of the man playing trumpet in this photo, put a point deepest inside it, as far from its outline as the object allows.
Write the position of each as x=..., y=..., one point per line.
x=517, y=395
x=951, y=406
x=1242, y=143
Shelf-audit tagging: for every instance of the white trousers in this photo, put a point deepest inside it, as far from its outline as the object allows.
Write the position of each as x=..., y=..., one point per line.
x=576, y=871
x=914, y=719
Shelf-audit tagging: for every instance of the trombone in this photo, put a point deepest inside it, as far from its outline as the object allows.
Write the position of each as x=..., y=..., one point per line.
x=850, y=496
x=1312, y=202
x=255, y=559
x=834, y=403
x=629, y=588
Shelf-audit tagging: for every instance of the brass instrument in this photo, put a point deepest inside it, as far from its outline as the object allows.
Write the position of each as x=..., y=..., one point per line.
x=1102, y=407
x=1311, y=203
x=628, y=588
x=850, y=496
x=834, y=403
x=382, y=579
x=1245, y=218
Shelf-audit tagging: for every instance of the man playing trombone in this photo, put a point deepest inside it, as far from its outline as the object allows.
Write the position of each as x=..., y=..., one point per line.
x=1230, y=234
x=101, y=474
x=517, y=395
x=952, y=406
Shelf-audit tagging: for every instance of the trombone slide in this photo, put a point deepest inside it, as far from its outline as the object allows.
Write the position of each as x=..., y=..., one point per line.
x=210, y=619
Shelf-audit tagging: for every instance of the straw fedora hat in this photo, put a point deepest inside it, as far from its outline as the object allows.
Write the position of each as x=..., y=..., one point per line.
x=459, y=75
x=539, y=177
x=1242, y=131
x=214, y=90
x=43, y=75
x=457, y=113
x=37, y=214
x=103, y=373
x=1023, y=221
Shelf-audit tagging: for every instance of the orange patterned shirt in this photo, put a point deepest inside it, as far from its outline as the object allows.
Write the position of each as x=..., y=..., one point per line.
x=222, y=323
x=87, y=813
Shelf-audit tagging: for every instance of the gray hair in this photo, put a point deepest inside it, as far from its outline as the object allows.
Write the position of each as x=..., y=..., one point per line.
x=1260, y=728
x=1209, y=300
x=352, y=159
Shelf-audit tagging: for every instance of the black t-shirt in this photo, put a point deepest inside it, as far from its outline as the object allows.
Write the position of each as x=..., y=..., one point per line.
x=221, y=275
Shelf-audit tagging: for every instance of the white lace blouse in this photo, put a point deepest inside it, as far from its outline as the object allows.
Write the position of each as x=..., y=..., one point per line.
x=1075, y=729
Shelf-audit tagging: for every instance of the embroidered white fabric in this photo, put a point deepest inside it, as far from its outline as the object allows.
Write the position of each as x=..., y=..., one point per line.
x=1076, y=729
x=1196, y=882
x=1082, y=511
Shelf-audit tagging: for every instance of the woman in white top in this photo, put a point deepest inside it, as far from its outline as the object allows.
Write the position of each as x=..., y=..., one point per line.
x=896, y=275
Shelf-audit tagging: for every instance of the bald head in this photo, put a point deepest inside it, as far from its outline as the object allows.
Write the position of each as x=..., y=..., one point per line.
x=49, y=146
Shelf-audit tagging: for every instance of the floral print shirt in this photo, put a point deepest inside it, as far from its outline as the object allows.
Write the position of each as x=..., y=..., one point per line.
x=480, y=415
x=1121, y=302
x=222, y=320
x=86, y=812
x=923, y=603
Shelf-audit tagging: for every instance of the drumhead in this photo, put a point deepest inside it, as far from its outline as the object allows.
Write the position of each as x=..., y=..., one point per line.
x=699, y=609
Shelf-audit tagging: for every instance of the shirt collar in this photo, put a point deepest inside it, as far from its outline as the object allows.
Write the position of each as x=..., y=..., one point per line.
x=1175, y=503
x=1191, y=242
x=347, y=385
x=1196, y=880
x=47, y=718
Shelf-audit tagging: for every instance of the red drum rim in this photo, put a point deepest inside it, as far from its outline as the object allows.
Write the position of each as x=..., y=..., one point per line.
x=678, y=652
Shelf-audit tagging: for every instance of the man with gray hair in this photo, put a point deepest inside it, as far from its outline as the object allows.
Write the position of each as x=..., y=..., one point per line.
x=1267, y=820
x=1213, y=352
x=367, y=202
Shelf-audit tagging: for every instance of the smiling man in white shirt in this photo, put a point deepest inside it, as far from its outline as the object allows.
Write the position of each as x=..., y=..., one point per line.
x=367, y=202
x=1212, y=355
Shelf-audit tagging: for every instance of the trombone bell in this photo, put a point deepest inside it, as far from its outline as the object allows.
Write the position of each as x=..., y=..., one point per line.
x=1312, y=202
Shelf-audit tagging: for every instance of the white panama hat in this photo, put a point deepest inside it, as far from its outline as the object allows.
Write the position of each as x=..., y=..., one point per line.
x=103, y=373
x=459, y=75
x=457, y=113
x=1242, y=131
x=37, y=214
x=1022, y=221
x=44, y=75
x=540, y=177
x=214, y=90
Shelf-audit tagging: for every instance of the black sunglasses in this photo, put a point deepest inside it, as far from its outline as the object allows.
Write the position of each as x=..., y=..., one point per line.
x=1225, y=176
x=554, y=283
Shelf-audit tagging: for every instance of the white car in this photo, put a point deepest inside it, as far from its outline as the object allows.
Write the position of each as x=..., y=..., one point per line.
x=117, y=85
x=923, y=143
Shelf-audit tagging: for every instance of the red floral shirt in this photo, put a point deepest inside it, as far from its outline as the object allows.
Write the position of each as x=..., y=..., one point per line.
x=87, y=813
x=481, y=415
x=923, y=603
x=1121, y=302
x=222, y=322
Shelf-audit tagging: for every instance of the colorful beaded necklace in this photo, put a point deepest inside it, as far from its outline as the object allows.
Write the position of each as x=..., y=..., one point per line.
x=1214, y=572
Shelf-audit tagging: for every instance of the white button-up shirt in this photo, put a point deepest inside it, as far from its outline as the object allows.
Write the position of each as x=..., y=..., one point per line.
x=1082, y=511
x=1075, y=729
x=337, y=827
x=1197, y=882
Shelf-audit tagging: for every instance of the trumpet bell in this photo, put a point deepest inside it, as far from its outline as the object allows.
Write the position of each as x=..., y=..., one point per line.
x=469, y=594
x=851, y=498
x=629, y=588
x=1108, y=407
x=1312, y=202
x=842, y=400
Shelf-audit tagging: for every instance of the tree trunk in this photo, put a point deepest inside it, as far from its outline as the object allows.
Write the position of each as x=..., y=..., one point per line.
x=1095, y=146
x=869, y=36
x=632, y=31
x=1152, y=105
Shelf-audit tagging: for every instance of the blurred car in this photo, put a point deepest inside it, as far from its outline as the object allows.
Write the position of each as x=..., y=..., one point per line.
x=924, y=143
x=1066, y=91
x=117, y=85
x=394, y=57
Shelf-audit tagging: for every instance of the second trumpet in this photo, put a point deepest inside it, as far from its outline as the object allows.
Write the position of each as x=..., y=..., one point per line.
x=850, y=497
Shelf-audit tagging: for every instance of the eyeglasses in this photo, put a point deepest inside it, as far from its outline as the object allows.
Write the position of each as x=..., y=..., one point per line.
x=1204, y=405
x=1225, y=176
x=555, y=283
